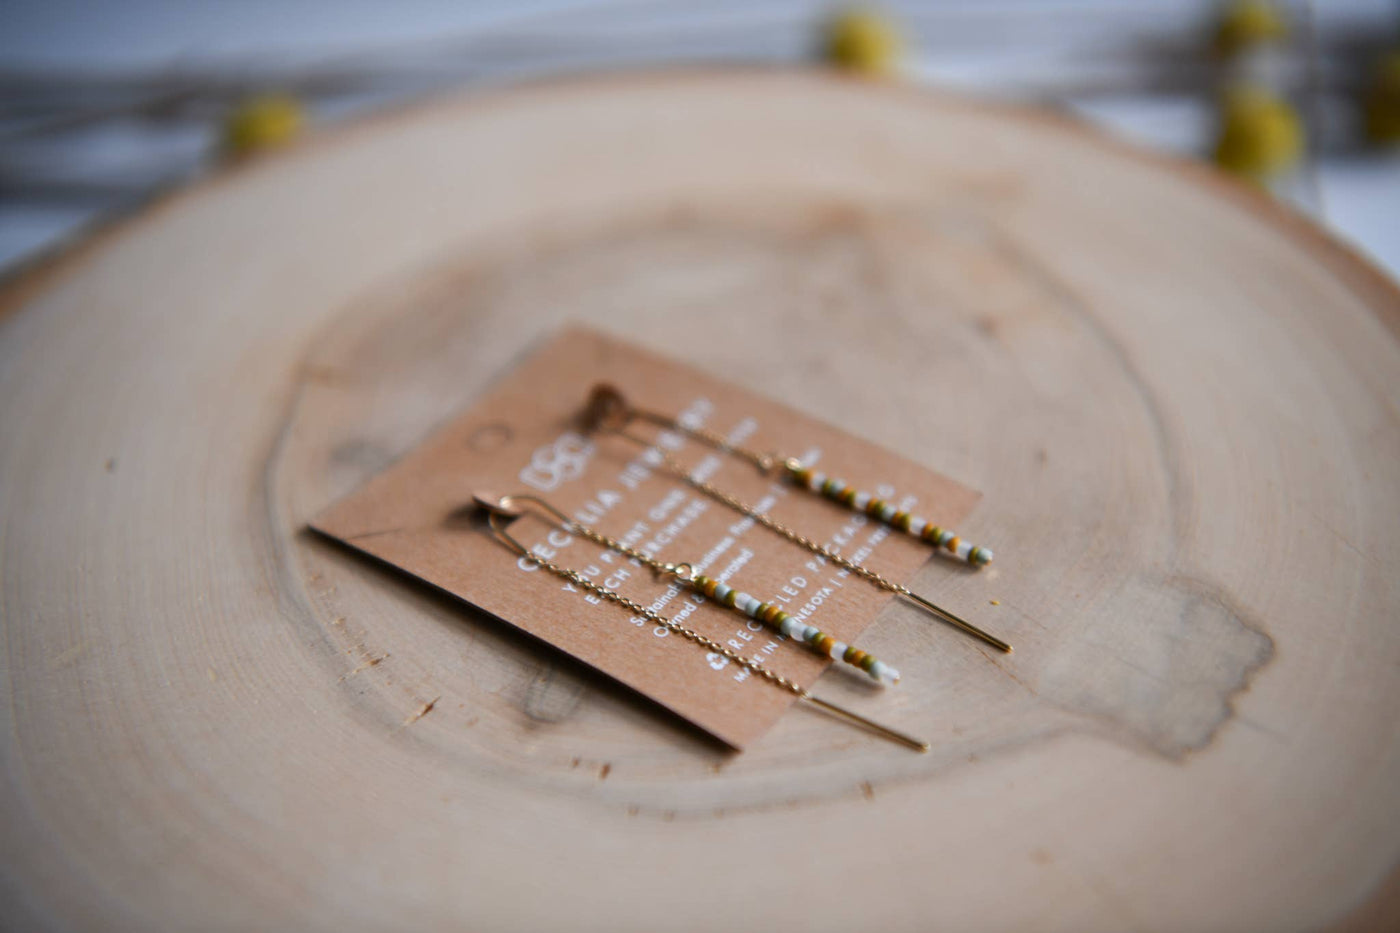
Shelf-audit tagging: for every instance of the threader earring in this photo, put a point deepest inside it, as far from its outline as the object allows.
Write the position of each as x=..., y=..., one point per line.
x=686, y=574
x=501, y=511
x=607, y=410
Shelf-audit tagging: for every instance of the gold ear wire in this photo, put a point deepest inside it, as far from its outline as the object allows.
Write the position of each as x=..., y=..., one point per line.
x=562, y=519
x=500, y=508
x=494, y=520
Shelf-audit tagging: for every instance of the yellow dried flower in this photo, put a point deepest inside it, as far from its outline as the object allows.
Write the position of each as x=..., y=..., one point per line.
x=862, y=41
x=1260, y=134
x=1246, y=23
x=1383, y=102
x=262, y=123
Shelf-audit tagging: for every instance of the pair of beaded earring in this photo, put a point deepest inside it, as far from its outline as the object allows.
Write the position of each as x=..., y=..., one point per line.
x=608, y=411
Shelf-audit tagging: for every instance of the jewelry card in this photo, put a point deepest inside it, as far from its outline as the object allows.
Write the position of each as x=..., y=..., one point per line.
x=524, y=436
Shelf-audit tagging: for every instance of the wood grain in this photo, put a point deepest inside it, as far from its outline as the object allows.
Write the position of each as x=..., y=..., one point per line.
x=1180, y=403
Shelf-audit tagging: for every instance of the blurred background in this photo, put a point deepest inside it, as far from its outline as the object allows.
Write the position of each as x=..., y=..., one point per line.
x=105, y=105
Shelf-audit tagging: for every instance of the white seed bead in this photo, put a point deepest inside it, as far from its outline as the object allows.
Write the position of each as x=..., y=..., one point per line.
x=987, y=555
x=861, y=501
x=944, y=537
x=816, y=481
x=810, y=632
x=887, y=513
x=789, y=626
x=838, y=648
x=721, y=591
x=917, y=524
x=964, y=549
x=882, y=671
x=838, y=486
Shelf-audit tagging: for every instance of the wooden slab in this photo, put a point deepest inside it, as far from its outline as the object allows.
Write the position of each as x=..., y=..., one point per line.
x=1182, y=405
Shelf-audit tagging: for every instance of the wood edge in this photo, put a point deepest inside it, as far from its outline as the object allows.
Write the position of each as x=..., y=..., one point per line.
x=1378, y=910
x=1349, y=263
x=1354, y=268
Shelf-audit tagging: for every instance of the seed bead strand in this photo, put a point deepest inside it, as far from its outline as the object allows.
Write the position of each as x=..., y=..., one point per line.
x=767, y=613
x=837, y=490
x=754, y=667
x=774, y=617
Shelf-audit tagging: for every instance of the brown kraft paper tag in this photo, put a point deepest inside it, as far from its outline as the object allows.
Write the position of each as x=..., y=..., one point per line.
x=524, y=437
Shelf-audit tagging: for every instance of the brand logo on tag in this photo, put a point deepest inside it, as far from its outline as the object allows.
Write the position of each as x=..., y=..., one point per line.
x=558, y=462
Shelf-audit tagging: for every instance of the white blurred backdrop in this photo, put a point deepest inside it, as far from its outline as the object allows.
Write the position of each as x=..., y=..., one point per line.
x=104, y=104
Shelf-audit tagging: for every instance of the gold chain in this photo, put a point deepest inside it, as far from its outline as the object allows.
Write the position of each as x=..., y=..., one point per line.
x=765, y=462
x=597, y=537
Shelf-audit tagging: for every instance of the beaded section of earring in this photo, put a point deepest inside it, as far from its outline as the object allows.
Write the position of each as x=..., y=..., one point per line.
x=774, y=617
x=838, y=491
